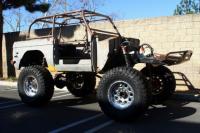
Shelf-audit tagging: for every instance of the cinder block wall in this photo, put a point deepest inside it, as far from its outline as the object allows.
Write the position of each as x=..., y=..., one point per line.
x=165, y=34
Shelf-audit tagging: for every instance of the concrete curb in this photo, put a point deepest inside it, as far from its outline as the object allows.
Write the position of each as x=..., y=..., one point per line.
x=8, y=83
x=14, y=84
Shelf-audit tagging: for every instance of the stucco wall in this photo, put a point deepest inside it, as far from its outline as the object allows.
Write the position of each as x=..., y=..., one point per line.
x=165, y=34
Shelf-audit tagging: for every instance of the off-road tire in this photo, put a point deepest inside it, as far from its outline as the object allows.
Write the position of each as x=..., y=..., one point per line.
x=166, y=79
x=45, y=85
x=88, y=87
x=136, y=81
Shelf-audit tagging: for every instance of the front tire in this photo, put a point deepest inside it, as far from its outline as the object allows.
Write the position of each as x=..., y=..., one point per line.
x=122, y=94
x=35, y=85
x=162, y=82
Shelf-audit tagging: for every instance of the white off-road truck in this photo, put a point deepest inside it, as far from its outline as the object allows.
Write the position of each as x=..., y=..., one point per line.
x=78, y=52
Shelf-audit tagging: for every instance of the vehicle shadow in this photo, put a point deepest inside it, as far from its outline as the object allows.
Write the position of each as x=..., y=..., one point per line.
x=4, y=100
x=54, y=115
x=73, y=101
x=179, y=114
x=173, y=116
x=168, y=117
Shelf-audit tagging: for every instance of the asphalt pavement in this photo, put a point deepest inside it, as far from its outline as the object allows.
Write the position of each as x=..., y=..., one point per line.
x=66, y=113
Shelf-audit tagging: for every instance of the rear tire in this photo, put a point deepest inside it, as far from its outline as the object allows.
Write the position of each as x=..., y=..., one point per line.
x=122, y=94
x=35, y=85
x=81, y=84
x=162, y=82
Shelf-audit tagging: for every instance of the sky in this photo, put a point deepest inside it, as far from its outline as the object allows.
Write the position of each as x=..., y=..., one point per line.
x=132, y=9
x=122, y=9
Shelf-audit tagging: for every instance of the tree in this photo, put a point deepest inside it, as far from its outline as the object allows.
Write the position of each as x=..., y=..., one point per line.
x=30, y=5
x=187, y=7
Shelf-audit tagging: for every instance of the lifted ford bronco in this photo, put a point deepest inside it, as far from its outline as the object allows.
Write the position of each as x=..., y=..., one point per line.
x=78, y=52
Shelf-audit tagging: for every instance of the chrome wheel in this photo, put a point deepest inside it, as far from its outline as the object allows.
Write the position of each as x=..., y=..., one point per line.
x=30, y=86
x=121, y=94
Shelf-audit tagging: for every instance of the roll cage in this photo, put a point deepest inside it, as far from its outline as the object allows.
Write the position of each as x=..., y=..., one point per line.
x=73, y=18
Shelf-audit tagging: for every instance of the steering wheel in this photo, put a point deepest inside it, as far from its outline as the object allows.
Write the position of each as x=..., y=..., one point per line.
x=146, y=50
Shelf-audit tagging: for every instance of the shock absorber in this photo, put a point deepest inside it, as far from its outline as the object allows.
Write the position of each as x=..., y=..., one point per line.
x=126, y=55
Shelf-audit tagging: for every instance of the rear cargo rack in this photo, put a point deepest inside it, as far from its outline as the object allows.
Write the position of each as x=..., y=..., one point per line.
x=174, y=58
